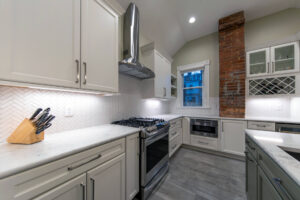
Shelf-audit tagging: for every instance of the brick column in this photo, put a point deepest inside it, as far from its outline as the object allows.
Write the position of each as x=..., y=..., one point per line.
x=232, y=66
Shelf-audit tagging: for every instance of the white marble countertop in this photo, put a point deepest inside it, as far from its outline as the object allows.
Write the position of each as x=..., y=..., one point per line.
x=171, y=116
x=271, y=142
x=16, y=158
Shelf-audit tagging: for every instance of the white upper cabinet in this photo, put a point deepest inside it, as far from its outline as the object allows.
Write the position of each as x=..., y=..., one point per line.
x=65, y=43
x=258, y=62
x=99, y=67
x=274, y=60
x=40, y=41
x=285, y=58
x=160, y=85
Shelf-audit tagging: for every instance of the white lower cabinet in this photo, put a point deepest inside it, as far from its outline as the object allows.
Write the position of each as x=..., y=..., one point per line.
x=94, y=174
x=107, y=181
x=132, y=165
x=74, y=189
x=233, y=136
x=175, y=136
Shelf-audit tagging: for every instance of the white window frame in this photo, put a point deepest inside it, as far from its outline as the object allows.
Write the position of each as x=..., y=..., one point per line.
x=203, y=65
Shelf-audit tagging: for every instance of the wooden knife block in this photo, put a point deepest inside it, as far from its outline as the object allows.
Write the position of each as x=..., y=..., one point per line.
x=25, y=134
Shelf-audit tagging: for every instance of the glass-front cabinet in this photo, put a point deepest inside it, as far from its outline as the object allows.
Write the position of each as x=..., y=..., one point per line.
x=285, y=58
x=258, y=62
x=274, y=60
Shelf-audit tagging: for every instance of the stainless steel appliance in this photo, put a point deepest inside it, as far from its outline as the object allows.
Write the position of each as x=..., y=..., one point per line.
x=154, y=156
x=287, y=128
x=131, y=65
x=203, y=127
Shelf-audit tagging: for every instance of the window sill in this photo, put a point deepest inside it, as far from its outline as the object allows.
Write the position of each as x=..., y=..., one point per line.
x=193, y=107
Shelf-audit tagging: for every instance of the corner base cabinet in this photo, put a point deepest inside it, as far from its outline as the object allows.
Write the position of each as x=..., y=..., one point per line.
x=233, y=136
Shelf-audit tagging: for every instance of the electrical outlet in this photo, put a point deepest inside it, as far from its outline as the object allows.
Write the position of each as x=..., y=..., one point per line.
x=68, y=111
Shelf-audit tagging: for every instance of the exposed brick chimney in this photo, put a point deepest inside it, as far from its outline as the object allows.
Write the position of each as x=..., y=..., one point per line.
x=232, y=66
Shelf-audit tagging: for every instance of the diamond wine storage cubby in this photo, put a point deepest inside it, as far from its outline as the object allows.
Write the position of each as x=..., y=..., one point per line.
x=272, y=86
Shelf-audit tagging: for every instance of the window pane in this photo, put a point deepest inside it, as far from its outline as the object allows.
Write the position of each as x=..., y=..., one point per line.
x=193, y=79
x=192, y=97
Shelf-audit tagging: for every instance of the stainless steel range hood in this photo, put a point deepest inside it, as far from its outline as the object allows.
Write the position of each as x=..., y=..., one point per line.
x=131, y=65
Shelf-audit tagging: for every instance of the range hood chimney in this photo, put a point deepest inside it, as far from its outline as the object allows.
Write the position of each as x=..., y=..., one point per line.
x=131, y=65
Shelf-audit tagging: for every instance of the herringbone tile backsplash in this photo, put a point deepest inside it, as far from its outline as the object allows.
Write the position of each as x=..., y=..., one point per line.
x=88, y=109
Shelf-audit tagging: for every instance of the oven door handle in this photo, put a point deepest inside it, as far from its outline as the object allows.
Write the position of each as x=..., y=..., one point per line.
x=149, y=141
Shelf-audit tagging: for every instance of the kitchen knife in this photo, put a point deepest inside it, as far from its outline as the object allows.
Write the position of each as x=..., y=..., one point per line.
x=41, y=120
x=41, y=129
x=49, y=119
x=47, y=110
x=35, y=114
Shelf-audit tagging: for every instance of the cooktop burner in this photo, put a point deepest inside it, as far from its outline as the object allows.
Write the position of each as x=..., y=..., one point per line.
x=139, y=122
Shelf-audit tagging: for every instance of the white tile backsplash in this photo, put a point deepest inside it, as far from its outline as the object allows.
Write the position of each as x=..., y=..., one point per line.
x=88, y=109
x=287, y=107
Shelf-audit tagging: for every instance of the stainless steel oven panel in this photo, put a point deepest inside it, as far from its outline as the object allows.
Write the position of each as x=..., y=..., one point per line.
x=146, y=191
x=287, y=128
x=145, y=134
x=147, y=177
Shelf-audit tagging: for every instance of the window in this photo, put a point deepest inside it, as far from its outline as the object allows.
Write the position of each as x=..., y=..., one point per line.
x=192, y=88
x=193, y=80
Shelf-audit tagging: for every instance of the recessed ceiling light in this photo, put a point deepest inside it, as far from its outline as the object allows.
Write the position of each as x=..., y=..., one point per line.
x=192, y=20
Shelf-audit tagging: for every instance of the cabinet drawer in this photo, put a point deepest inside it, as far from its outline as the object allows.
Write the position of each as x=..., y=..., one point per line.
x=204, y=142
x=35, y=181
x=176, y=123
x=286, y=187
x=264, y=126
x=174, y=144
x=251, y=147
x=174, y=132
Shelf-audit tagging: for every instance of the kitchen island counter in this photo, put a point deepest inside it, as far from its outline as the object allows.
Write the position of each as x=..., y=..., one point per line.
x=272, y=143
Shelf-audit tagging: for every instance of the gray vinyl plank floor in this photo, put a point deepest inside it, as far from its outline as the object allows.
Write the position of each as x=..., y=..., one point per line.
x=195, y=175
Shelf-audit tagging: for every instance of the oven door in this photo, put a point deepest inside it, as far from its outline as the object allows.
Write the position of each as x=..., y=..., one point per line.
x=155, y=154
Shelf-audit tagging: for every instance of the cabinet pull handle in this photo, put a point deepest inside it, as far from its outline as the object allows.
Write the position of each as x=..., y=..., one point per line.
x=268, y=67
x=85, y=73
x=74, y=167
x=83, y=191
x=138, y=146
x=78, y=73
x=174, y=146
x=165, y=92
x=278, y=183
x=93, y=188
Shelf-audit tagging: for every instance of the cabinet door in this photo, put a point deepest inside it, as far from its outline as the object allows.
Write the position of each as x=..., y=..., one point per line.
x=233, y=136
x=74, y=189
x=285, y=58
x=251, y=177
x=167, y=78
x=266, y=190
x=40, y=42
x=132, y=166
x=108, y=180
x=258, y=62
x=159, y=85
x=99, y=69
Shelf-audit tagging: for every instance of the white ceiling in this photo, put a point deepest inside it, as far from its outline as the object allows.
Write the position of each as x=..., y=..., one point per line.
x=166, y=21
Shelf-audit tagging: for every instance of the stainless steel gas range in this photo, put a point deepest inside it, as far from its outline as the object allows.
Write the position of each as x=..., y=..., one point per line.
x=154, y=145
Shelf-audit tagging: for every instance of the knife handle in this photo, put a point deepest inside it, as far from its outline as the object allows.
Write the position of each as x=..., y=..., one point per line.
x=35, y=114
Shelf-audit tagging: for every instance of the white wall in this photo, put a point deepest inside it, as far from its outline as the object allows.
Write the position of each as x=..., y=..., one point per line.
x=88, y=109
